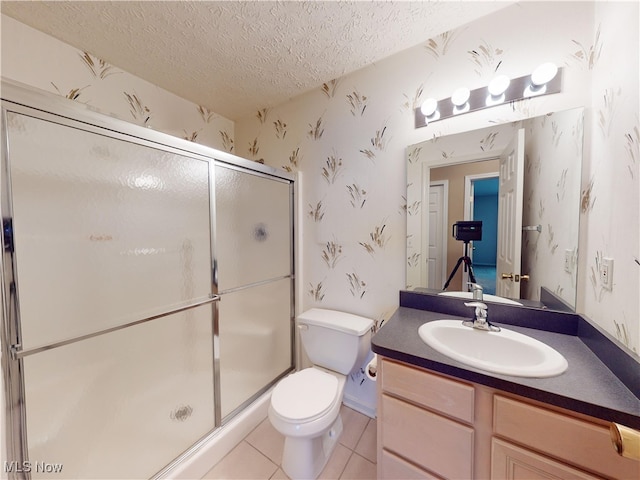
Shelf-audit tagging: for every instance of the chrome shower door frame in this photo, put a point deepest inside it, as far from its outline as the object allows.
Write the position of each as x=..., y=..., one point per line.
x=41, y=105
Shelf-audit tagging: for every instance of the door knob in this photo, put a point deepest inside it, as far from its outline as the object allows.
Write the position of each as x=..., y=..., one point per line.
x=506, y=276
x=521, y=277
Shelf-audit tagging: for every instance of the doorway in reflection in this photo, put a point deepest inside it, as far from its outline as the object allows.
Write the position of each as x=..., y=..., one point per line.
x=483, y=206
x=467, y=186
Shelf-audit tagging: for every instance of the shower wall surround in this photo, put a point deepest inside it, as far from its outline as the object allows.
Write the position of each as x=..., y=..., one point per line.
x=349, y=137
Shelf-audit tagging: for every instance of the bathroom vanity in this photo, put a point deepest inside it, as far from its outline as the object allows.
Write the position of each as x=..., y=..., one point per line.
x=438, y=418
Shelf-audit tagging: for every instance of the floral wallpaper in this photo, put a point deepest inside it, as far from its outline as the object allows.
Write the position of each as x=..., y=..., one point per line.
x=610, y=189
x=36, y=59
x=553, y=160
x=348, y=140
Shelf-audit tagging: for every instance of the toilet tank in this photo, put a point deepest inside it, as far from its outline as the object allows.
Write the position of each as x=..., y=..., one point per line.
x=335, y=340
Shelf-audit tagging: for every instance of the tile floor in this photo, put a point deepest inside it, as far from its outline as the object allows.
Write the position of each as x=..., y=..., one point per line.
x=259, y=455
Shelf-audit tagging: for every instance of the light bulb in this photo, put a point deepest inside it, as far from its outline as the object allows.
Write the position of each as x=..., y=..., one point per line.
x=460, y=96
x=499, y=85
x=544, y=74
x=429, y=107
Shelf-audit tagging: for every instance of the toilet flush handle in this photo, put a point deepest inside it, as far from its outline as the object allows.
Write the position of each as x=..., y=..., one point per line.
x=303, y=326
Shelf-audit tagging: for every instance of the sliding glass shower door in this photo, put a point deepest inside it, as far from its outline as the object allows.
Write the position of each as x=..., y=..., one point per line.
x=109, y=238
x=147, y=294
x=255, y=281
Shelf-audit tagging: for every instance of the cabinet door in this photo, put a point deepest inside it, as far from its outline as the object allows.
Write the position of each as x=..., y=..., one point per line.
x=515, y=463
x=585, y=444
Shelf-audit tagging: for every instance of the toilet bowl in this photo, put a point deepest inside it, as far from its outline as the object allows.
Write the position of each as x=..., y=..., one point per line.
x=305, y=406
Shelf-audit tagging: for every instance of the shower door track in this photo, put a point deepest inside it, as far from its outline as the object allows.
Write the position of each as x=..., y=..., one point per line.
x=17, y=353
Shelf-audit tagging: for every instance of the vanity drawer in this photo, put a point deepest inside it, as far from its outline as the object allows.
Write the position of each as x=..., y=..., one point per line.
x=435, y=392
x=436, y=443
x=393, y=467
x=582, y=443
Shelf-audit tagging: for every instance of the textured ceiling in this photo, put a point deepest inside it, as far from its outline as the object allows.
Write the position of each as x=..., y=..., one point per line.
x=236, y=57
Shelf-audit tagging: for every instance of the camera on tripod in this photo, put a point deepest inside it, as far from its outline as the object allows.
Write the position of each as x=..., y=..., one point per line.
x=467, y=231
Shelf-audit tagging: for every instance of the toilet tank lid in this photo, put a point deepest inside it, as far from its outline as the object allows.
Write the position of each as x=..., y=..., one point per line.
x=342, y=321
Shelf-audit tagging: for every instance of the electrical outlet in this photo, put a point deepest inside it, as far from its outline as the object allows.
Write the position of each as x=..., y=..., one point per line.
x=606, y=273
x=568, y=261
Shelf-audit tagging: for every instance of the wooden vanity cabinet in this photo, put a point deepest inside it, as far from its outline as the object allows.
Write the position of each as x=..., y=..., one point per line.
x=425, y=424
x=433, y=426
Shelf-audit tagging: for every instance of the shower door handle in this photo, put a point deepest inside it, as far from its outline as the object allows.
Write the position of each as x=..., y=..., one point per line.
x=17, y=352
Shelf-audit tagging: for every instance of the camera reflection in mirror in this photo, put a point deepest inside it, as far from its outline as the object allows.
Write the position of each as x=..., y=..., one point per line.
x=465, y=231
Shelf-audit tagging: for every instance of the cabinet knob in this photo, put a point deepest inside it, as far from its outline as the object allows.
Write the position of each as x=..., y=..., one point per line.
x=625, y=440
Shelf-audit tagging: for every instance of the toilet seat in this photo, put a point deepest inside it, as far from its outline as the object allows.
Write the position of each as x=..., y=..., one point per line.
x=304, y=396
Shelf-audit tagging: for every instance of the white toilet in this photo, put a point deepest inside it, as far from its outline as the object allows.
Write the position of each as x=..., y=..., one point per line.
x=305, y=406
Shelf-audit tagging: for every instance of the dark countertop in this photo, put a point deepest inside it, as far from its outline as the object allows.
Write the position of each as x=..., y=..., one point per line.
x=588, y=386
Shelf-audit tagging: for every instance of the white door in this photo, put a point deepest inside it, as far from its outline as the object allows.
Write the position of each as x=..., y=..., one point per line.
x=437, y=235
x=510, y=218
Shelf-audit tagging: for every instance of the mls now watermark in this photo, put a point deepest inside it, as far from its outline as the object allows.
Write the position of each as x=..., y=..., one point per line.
x=31, y=466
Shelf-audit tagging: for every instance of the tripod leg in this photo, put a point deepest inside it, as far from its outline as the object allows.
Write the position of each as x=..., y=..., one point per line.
x=453, y=272
x=467, y=262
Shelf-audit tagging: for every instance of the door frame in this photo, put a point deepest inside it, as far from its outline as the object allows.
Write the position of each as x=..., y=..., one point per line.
x=468, y=209
x=444, y=224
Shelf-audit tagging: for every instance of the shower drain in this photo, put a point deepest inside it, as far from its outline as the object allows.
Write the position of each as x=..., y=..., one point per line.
x=181, y=413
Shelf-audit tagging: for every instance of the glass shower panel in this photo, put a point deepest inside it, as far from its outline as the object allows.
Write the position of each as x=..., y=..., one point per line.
x=255, y=340
x=253, y=233
x=106, y=231
x=122, y=404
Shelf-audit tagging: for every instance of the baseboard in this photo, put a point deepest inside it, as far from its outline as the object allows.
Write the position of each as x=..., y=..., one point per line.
x=358, y=406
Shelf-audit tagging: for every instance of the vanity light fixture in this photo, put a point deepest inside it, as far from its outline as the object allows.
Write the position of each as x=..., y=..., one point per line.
x=545, y=79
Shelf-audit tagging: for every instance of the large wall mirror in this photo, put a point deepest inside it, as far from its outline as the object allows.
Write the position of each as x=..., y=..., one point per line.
x=522, y=181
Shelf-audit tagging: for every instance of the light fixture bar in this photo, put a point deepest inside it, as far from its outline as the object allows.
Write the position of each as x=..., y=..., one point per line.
x=480, y=98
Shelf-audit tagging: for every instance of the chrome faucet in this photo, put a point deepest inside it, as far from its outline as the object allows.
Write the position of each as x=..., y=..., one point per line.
x=477, y=291
x=480, y=320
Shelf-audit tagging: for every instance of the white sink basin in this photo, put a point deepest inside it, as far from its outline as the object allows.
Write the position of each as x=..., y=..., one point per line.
x=487, y=296
x=506, y=351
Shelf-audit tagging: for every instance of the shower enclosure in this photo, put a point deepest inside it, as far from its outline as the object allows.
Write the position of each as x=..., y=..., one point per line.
x=147, y=290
